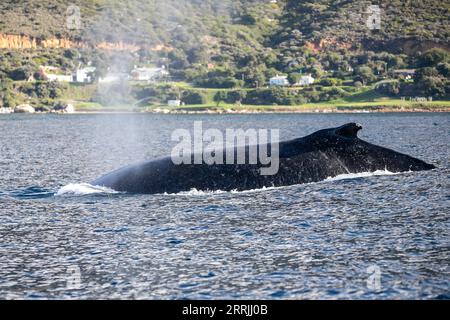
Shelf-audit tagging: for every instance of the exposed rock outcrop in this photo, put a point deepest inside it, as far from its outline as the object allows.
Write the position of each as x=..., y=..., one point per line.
x=64, y=108
x=20, y=42
x=24, y=108
x=5, y=110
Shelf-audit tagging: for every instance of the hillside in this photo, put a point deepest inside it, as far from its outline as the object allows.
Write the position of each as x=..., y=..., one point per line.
x=403, y=25
x=192, y=25
x=198, y=31
x=166, y=21
x=146, y=23
x=236, y=44
x=347, y=20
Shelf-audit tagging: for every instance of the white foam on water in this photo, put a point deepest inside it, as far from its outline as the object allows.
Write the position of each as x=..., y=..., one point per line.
x=361, y=175
x=81, y=189
x=195, y=192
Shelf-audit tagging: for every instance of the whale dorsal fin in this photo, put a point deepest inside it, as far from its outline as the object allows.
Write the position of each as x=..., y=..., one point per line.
x=349, y=130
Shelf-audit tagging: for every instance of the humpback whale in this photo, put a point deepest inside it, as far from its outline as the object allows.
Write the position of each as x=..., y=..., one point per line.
x=318, y=156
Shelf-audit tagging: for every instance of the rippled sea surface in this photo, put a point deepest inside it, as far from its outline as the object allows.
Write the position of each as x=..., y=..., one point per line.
x=372, y=237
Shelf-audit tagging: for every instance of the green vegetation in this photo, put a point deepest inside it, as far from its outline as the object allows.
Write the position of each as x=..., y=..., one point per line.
x=223, y=53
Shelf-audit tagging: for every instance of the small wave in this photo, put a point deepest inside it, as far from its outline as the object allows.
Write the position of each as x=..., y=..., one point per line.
x=195, y=192
x=81, y=189
x=361, y=175
x=29, y=193
x=88, y=189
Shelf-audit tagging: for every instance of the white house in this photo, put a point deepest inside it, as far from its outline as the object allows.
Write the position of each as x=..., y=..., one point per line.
x=148, y=74
x=305, y=80
x=83, y=75
x=58, y=77
x=279, y=81
x=54, y=74
x=408, y=74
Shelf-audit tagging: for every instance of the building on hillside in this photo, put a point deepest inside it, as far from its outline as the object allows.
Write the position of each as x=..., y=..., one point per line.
x=305, y=80
x=51, y=73
x=405, y=73
x=279, y=81
x=83, y=75
x=80, y=75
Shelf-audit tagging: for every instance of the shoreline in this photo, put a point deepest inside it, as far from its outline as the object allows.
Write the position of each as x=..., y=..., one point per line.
x=325, y=108
x=272, y=110
x=228, y=112
x=176, y=112
x=248, y=109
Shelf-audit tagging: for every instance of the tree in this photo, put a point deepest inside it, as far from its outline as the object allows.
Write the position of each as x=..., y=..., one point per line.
x=389, y=88
x=101, y=68
x=425, y=72
x=198, y=55
x=317, y=71
x=444, y=69
x=330, y=82
x=334, y=59
x=255, y=77
x=432, y=86
x=433, y=56
x=193, y=97
x=236, y=96
x=248, y=19
x=395, y=61
x=365, y=74
x=70, y=54
x=357, y=84
x=294, y=78
x=220, y=96
x=9, y=101
x=178, y=59
x=21, y=73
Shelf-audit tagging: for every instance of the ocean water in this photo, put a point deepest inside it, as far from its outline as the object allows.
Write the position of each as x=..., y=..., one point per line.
x=359, y=236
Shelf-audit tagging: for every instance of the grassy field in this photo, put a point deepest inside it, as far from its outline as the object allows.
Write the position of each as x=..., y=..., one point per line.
x=362, y=101
x=366, y=99
x=333, y=106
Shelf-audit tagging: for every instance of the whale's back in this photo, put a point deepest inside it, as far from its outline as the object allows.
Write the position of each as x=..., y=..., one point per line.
x=326, y=153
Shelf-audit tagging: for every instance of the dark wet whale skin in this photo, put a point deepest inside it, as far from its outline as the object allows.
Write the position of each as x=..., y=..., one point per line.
x=325, y=153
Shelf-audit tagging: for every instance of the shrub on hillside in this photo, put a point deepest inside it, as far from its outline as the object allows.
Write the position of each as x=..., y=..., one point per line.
x=193, y=97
